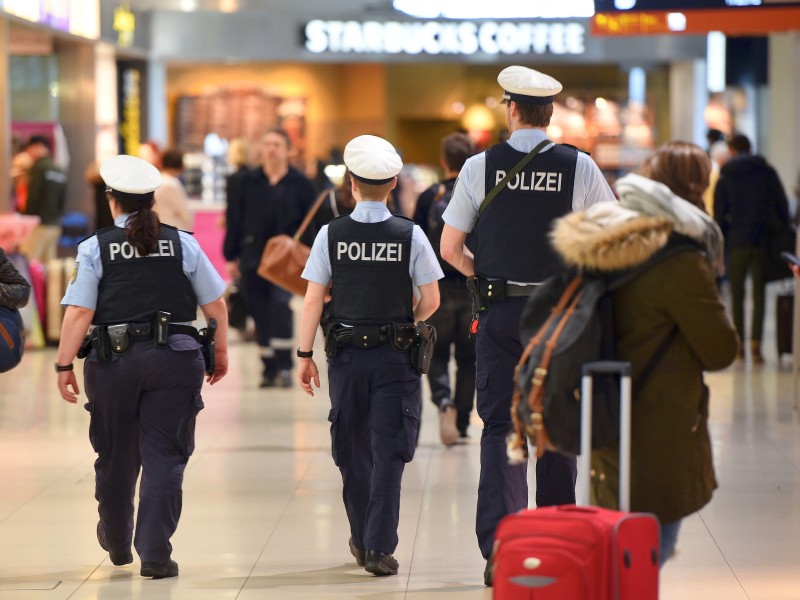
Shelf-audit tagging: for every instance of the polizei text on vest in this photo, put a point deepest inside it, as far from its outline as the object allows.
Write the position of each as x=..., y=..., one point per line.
x=534, y=181
x=125, y=251
x=370, y=251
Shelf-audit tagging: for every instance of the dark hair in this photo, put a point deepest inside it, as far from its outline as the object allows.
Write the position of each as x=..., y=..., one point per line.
x=281, y=132
x=456, y=149
x=739, y=144
x=683, y=167
x=373, y=192
x=38, y=139
x=535, y=115
x=714, y=135
x=143, y=227
x=172, y=159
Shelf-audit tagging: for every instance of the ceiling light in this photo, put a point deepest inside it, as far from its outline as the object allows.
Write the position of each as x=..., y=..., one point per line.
x=497, y=9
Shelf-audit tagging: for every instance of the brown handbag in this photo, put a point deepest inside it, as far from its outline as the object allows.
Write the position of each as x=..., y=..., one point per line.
x=284, y=257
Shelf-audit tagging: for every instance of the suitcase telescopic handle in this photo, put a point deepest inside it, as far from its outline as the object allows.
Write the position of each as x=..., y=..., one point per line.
x=623, y=369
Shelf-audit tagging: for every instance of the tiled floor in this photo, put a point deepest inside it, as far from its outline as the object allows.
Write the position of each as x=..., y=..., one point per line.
x=262, y=504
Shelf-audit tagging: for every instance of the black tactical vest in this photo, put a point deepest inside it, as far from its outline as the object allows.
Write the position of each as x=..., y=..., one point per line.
x=133, y=288
x=511, y=236
x=371, y=283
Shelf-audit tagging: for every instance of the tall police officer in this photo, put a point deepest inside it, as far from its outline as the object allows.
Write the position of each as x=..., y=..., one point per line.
x=512, y=254
x=372, y=261
x=139, y=283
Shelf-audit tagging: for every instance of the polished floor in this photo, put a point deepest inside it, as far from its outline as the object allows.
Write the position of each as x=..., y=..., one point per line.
x=262, y=501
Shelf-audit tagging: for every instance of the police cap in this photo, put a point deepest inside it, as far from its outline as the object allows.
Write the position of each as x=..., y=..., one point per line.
x=527, y=86
x=372, y=159
x=130, y=175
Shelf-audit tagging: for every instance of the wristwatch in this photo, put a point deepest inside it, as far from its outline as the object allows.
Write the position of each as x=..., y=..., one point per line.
x=62, y=368
x=301, y=354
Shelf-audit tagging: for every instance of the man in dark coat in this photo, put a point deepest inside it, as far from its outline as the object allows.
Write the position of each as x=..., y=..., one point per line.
x=748, y=197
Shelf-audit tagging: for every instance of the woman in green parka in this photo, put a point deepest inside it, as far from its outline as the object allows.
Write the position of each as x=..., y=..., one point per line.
x=672, y=469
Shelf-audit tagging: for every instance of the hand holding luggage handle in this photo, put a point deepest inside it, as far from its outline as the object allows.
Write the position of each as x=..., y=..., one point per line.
x=584, y=460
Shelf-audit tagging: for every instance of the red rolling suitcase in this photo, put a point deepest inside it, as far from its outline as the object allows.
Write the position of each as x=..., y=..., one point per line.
x=581, y=552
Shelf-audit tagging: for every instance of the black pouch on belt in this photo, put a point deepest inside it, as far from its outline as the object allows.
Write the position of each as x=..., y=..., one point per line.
x=491, y=290
x=422, y=350
x=85, y=348
x=366, y=336
x=402, y=336
x=119, y=338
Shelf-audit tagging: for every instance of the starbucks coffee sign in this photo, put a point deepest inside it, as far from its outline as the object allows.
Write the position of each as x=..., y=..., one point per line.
x=438, y=38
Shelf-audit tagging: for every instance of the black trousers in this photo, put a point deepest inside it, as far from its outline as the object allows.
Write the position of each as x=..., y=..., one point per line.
x=452, y=321
x=143, y=406
x=375, y=407
x=503, y=488
x=269, y=305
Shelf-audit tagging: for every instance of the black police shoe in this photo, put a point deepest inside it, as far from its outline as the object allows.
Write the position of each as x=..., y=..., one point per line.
x=117, y=558
x=380, y=563
x=284, y=379
x=268, y=381
x=158, y=570
x=487, y=574
x=357, y=552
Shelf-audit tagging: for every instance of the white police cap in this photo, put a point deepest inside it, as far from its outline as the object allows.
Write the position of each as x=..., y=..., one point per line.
x=372, y=159
x=130, y=175
x=528, y=86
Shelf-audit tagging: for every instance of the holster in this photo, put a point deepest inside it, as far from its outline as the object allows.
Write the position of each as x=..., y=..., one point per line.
x=101, y=344
x=86, y=347
x=422, y=349
x=208, y=346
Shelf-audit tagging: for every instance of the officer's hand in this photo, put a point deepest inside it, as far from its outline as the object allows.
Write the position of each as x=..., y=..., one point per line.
x=220, y=367
x=66, y=380
x=233, y=269
x=306, y=371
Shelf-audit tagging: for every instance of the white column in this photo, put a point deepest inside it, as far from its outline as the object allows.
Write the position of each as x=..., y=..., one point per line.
x=687, y=99
x=157, y=128
x=783, y=141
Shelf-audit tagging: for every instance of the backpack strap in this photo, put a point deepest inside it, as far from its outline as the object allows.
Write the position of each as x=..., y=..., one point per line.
x=504, y=181
x=519, y=438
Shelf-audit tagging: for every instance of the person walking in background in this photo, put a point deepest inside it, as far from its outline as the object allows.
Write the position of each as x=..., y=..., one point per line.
x=748, y=196
x=14, y=289
x=452, y=319
x=512, y=255
x=273, y=200
x=672, y=309
x=171, y=200
x=372, y=262
x=47, y=194
x=338, y=202
x=14, y=294
x=139, y=284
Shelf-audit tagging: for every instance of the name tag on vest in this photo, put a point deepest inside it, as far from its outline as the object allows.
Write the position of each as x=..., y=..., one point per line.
x=533, y=181
x=125, y=251
x=370, y=251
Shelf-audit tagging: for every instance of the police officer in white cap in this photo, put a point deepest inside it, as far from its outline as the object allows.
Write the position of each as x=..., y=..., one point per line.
x=138, y=283
x=372, y=261
x=508, y=198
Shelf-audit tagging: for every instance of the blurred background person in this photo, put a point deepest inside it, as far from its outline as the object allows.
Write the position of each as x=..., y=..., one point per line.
x=172, y=201
x=47, y=192
x=273, y=200
x=748, y=196
x=453, y=317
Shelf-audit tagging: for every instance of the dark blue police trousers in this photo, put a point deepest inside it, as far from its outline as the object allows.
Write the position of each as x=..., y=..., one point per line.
x=143, y=406
x=503, y=488
x=375, y=409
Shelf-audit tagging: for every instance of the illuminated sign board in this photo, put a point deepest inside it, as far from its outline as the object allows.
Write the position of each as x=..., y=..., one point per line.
x=746, y=21
x=438, y=38
x=78, y=17
x=601, y=6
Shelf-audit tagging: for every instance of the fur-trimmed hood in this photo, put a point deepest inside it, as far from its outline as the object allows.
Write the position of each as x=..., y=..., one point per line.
x=618, y=235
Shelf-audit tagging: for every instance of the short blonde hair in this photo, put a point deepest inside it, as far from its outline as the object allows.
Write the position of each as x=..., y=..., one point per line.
x=374, y=192
x=239, y=152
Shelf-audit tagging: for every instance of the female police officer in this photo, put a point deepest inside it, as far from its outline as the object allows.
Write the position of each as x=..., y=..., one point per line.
x=372, y=261
x=139, y=284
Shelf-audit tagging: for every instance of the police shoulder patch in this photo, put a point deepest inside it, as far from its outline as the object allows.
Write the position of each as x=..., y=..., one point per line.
x=74, y=273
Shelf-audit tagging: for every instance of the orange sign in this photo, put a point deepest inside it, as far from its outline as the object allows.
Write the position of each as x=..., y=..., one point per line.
x=742, y=21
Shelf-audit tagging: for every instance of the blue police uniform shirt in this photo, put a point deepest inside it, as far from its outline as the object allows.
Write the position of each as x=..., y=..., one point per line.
x=424, y=267
x=470, y=188
x=82, y=289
